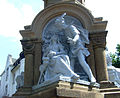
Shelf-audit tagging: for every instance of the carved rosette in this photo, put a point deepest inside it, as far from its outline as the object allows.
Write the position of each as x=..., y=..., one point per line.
x=98, y=39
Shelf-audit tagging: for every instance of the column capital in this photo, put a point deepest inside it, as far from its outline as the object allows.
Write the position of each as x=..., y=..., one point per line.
x=28, y=46
x=98, y=39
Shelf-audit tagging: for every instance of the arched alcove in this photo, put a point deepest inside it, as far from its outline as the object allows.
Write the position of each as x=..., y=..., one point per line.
x=95, y=26
x=77, y=11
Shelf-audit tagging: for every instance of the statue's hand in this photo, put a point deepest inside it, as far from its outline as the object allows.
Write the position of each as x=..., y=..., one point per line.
x=70, y=41
x=51, y=54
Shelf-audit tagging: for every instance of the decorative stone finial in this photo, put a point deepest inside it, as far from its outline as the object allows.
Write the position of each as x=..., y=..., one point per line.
x=50, y=2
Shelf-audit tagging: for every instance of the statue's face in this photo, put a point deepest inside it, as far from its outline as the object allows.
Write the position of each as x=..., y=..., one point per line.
x=54, y=39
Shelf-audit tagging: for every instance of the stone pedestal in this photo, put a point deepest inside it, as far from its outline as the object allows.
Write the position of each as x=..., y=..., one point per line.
x=23, y=92
x=65, y=89
x=62, y=89
x=110, y=92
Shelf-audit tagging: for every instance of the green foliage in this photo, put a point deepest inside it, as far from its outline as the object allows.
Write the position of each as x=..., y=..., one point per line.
x=116, y=57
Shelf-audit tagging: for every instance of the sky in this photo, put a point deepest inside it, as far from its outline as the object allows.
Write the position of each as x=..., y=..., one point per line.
x=15, y=14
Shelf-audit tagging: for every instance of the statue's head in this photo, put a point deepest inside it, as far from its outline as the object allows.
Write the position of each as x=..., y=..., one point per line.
x=54, y=38
x=60, y=21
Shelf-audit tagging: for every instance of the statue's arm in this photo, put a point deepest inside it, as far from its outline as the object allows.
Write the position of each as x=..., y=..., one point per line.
x=75, y=39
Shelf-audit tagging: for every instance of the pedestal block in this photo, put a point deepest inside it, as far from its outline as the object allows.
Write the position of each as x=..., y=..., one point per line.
x=62, y=89
x=111, y=92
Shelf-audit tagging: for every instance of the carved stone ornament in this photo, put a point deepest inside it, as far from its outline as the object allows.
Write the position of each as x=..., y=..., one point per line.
x=64, y=41
x=28, y=46
x=99, y=39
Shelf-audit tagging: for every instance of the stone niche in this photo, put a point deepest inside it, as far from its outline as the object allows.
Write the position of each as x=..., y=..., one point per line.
x=32, y=46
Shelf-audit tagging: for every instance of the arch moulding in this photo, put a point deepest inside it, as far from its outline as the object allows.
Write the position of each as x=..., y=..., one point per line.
x=78, y=11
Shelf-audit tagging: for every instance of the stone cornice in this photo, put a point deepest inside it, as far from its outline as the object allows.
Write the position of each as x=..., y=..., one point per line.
x=27, y=34
x=98, y=39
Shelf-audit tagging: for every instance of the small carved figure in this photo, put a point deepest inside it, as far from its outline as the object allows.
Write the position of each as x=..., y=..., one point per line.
x=58, y=62
x=77, y=48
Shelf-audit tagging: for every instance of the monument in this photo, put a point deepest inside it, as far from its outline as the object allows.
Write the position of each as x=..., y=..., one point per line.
x=64, y=50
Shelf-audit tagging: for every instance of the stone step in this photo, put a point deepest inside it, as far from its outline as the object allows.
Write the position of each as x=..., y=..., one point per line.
x=110, y=90
x=112, y=94
x=14, y=97
x=6, y=97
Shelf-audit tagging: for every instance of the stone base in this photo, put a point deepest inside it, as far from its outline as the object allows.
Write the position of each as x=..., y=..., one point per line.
x=64, y=89
x=107, y=84
x=110, y=92
x=23, y=91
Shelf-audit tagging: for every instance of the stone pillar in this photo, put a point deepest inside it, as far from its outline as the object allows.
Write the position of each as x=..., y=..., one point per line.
x=37, y=60
x=99, y=44
x=91, y=59
x=28, y=48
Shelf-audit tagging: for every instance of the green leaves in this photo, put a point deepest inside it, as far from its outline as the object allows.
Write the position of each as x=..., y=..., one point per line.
x=116, y=57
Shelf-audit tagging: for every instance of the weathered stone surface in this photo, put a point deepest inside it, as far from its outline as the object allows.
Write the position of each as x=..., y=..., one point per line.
x=99, y=43
x=78, y=93
x=112, y=95
x=66, y=89
x=107, y=84
x=37, y=60
x=111, y=92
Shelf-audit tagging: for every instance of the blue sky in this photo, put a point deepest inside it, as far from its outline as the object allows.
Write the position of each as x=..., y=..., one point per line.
x=35, y=4
x=15, y=14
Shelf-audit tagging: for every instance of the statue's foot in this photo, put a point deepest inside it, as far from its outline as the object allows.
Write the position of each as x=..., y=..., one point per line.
x=93, y=80
x=92, y=84
x=75, y=77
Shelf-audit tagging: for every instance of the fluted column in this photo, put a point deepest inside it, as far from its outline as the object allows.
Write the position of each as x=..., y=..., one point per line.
x=99, y=44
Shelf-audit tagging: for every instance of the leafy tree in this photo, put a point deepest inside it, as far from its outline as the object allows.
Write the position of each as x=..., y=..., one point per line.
x=116, y=57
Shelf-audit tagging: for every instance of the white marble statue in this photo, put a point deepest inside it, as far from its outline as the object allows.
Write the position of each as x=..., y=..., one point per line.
x=56, y=61
x=77, y=46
